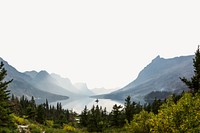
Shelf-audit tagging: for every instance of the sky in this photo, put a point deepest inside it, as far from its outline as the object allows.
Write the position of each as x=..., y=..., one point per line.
x=103, y=43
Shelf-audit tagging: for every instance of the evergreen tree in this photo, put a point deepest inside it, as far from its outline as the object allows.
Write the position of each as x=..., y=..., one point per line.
x=128, y=109
x=31, y=109
x=30, y=112
x=32, y=102
x=5, y=119
x=47, y=110
x=95, y=121
x=194, y=82
x=40, y=114
x=23, y=105
x=99, y=122
x=84, y=117
x=15, y=105
x=47, y=105
x=147, y=107
x=105, y=116
x=155, y=106
x=91, y=126
x=117, y=119
x=67, y=114
x=136, y=108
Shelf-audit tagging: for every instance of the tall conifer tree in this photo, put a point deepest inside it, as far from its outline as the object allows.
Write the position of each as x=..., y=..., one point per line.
x=128, y=109
x=194, y=82
x=5, y=119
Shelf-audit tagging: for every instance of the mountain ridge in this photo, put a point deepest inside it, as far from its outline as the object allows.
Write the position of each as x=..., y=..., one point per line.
x=41, y=85
x=160, y=75
x=21, y=86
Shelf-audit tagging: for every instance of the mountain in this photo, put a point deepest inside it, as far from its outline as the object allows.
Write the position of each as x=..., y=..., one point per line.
x=43, y=85
x=56, y=84
x=45, y=82
x=83, y=89
x=21, y=85
x=32, y=74
x=79, y=89
x=160, y=75
x=64, y=82
x=99, y=91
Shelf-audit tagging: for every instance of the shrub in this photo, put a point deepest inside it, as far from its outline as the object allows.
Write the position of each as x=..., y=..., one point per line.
x=69, y=128
x=53, y=130
x=172, y=117
x=56, y=126
x=49, y=123
x=181, y=117
x=140, y=123
x=5, y=130
x=19, y=120
x=35, y=128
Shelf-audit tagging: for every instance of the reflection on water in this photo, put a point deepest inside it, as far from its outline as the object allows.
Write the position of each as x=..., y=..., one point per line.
x=78, y=104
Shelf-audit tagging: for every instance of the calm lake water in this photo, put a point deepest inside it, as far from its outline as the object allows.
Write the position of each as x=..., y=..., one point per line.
x=78, y=104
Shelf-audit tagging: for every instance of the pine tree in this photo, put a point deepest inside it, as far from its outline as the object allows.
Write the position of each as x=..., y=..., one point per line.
x=117, y=119
x=5, y=119
x=95, y=121
x=15, y=105
x=47, y=110
x=40, y=114
x=136, y=108
x=155, y=106
x=84, y=117
x=91, y=125
x=128, y=109
x=194, y=83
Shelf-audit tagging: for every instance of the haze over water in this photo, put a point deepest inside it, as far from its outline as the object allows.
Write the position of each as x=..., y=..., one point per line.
x=79, y=104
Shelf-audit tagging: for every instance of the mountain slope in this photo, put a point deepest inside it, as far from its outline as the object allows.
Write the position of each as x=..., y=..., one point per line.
x=21, y=86
x=100, y=91
x=79, y=89
x=45, y=82
x=32, y=74
x=54, y=83
x=64, y=82
x=83, y=89
x=160, y=75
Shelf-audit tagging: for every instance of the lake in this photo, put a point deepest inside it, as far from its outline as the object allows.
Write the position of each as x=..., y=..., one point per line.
x=78, y=104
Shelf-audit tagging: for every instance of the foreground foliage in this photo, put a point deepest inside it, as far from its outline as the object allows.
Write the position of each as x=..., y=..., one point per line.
x=183, y=116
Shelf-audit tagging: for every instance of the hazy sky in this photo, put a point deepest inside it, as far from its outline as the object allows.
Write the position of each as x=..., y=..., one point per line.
x=104, y=43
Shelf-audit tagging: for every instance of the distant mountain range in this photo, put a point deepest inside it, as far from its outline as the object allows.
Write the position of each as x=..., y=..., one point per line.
x=42, y=85
x=158, y=79
x=99, y=91
x=161, y=75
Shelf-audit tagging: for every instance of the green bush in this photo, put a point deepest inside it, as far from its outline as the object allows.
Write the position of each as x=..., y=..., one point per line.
x=69, y=128
x=115, y=130
x=49, y=123
x=53, y=130
x=5, y=130
x=140, y=123
x=181, y=117
x=35, y=128
x=19, y=121
x=8, y=130
x=56, y=126
x=172, y=117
